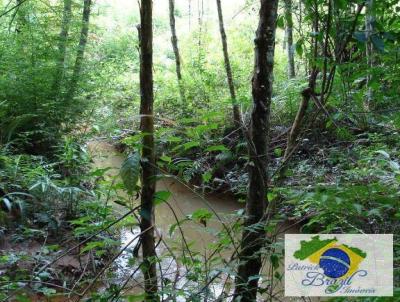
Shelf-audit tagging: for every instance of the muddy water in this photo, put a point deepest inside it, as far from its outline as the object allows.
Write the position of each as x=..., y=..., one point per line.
x=183, y=202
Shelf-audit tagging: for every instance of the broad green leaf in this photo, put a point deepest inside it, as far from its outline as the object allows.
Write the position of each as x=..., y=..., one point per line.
x=383, y=153
x=360, y=36
x=378, y=42
x=161, y=197
x=130, y=172
x=278, y=152
x=299, y=48
x=217, y=148
x=93, y=245
x=394, y=165
x=374, y=212
x=281, y=22
x=174, y=139
x=190, y=145
x=274, y=258
x=206, y=176
x=166, y=158
x=201, y=216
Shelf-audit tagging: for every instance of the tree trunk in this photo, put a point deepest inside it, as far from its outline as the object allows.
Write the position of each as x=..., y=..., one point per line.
x=296, y=127
x=253, y=232
x=81, y=49
x=235, y=107
x=306, y=96
x=62, y=47
x=148, y=150
x=289, y=38
x=174, y=40
x=200, y=30
x=20, y=16
x=369, y=29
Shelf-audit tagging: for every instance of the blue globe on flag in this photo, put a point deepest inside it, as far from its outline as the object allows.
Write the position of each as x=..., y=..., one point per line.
x=335, y=262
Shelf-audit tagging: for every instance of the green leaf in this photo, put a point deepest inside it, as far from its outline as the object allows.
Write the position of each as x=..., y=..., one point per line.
x=206, y=176
x=281, y=22
x=190, y=145
x=161, y=197
x=48, y=291
x=394, y=165
x=130, y=172
x=274, y=258
x=217, y=148
x=201, y=215
x=166, y=158
x=374, y=212
x=93, y=245
x=271, y=196
x=174, y=139
x=278, y=152
x=175, y=225
x=341, y=4
x=299, y=47
x=378, y=43
x=99, y=172
x=383, y=153
x=360, y=36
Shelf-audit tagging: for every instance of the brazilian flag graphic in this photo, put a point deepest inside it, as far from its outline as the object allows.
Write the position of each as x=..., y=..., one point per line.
x=338, y=261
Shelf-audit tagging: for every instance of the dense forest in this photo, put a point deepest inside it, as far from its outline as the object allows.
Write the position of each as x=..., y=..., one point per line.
x=161, y=151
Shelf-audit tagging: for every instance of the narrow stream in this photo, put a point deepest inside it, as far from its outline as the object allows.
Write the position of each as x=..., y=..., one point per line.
x=183, y=202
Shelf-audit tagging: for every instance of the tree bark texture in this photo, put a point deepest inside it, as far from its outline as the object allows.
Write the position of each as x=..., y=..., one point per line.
x=253, y=236
x=228, y=69
x=87, y=5
x=148, y=150
x=289, y=38
x=369, y=31
x=62, y=47
x=174, y=40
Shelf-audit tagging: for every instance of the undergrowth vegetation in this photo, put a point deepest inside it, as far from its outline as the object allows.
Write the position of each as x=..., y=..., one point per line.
x=67, y=219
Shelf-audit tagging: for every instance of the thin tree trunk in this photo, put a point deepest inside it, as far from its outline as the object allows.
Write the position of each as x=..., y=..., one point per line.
x=306, y=96
x=148, y=151
x=81, y=49
x=369, y=29
x=200, y=24
x=296, y=127
x=235, y=107
x=256, y=214
x=20, y=16
x=174, y=40
x=62, y=47
x=289, y=38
